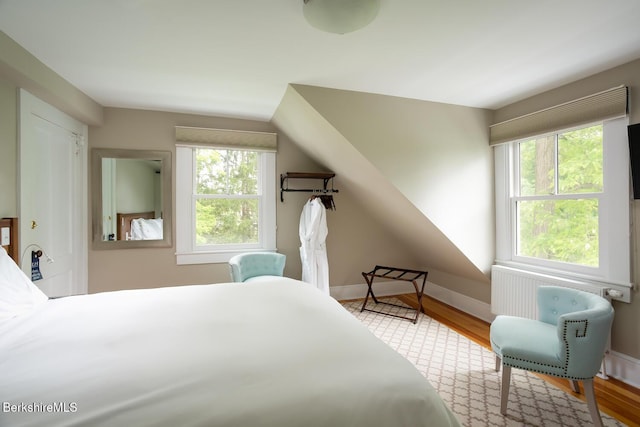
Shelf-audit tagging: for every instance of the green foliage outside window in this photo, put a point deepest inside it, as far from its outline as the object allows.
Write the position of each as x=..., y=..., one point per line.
x=226, y=199
x=557, y=211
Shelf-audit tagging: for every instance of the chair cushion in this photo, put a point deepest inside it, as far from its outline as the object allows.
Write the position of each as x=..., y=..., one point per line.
x=527, y=344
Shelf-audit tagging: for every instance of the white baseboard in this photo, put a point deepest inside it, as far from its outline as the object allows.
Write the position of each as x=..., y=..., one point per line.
x=472, y=306
x=620, y=366
x=382, y=289
x=464, y=303
x=624, y=368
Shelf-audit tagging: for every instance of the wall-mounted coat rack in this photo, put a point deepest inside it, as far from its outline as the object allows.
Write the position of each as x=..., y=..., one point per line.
x=326, y=177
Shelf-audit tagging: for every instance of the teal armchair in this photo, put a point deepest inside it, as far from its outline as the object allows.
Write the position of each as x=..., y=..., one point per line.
x=568, y=340
x=246, y=266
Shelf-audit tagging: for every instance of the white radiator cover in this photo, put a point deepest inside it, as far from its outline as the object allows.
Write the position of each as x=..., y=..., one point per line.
x=513, y=291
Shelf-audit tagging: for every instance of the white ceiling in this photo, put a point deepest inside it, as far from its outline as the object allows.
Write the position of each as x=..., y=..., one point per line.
x=235, y=57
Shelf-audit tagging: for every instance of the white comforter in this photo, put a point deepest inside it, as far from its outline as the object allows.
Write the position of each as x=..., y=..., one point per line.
x=275, y=353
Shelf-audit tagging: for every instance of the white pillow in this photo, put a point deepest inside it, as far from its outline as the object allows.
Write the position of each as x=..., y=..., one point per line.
x=18, y=294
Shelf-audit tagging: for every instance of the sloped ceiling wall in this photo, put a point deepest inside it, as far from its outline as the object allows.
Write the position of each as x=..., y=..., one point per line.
x=424, y=169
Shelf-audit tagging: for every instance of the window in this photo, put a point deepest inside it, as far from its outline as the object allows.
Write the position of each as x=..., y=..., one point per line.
x=562, y=202
x=226, y=198
x=225, y=202
x=559, y=184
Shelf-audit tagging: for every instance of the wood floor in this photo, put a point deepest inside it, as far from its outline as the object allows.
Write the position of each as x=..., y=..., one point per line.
x=614, y=397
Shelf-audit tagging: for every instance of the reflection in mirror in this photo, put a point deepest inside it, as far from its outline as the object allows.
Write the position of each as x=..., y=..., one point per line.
x=134, y=209
x=131, y=199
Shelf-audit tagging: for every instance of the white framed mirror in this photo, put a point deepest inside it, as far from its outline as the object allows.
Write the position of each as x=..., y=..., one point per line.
x=131, y=198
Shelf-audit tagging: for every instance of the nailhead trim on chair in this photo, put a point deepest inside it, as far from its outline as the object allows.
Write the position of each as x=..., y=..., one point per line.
x=586, y=324
x=566, y=364
x=540, y=371
x=535, y=363
x=564, y=338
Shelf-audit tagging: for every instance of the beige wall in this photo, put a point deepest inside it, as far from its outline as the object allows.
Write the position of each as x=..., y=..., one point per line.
x=8, y=150
x=355, y=242
x=435, y=154
x=423, y=169
x=625, y=337
x=145, y=268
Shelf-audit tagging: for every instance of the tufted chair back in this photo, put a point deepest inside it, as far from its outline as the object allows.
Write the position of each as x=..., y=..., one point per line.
x=254, y=264
x=583, y=322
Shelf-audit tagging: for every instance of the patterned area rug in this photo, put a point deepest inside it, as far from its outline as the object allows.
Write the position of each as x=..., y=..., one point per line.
x=464, y=374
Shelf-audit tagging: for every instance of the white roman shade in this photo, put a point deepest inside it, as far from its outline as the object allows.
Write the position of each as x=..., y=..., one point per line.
x=225, y=138
x=604, y=105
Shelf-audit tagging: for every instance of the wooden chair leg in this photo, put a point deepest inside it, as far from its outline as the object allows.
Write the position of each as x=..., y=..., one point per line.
x=504, y=390
x=498, y=363
x=591, y=402
x=574, y=386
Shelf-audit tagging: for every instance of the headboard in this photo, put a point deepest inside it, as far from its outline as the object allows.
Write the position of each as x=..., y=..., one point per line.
x=12, y=248
x=124, y=222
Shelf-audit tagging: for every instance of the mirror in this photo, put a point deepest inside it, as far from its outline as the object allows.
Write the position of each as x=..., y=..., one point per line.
x=131, y=192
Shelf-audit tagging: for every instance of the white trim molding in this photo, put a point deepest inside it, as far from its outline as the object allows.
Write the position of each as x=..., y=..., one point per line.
x=623, y=368
x=382, y=289
x=461, y=302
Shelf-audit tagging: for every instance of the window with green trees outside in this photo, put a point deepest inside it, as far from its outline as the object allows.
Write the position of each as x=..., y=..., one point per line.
x=225, y=202
x=226, y=197
x=559, y=184
x=563, y=202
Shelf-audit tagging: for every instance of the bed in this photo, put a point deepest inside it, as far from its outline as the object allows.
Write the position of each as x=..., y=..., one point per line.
x=275, y=352
x=139, y=226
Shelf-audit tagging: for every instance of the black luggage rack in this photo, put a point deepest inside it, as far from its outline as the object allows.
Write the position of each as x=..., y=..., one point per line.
x=394, y=273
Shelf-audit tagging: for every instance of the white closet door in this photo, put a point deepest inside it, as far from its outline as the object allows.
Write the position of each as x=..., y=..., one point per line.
x=53, y=207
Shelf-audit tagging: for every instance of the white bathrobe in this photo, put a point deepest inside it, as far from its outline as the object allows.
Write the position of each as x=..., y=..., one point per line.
x=313, y=252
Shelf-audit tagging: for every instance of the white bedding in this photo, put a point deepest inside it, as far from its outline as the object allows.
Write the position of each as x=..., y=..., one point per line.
x=272, y=353
x=146, y=229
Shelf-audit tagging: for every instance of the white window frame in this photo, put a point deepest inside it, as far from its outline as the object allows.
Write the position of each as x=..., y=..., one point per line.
x=186, y=250
x=614, y=213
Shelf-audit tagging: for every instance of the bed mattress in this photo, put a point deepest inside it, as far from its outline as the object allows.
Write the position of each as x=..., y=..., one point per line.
x=271, y=353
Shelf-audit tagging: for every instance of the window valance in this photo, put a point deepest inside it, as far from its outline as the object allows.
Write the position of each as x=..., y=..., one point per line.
x=603, y=105
x=225, y=138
